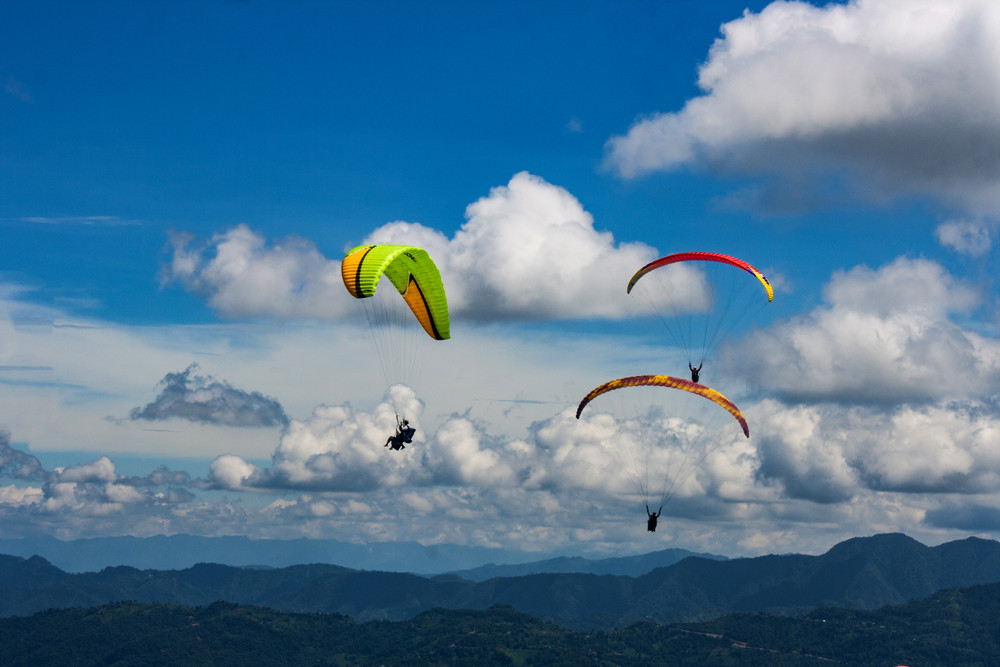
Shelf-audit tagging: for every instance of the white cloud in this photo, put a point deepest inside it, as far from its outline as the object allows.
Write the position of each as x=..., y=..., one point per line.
x=809, y=476
x=916, y=286
x=13, y=495
x=124, y=494
x=61, y=376
x=461, y=457
x=832, y=453
x=883, y=390
x=968, y=237
x=231, y=472
x=246, y=277
x=795, y=448
x=885, y=336
x=527, y=251
x=342, y=449
x=101, y=471
x=62, y=379
x=899, y=97
x=95, y=490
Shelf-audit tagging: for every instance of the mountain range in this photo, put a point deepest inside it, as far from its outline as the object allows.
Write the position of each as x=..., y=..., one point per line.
x=632, y=566
x=175, y=552
x=861, y=573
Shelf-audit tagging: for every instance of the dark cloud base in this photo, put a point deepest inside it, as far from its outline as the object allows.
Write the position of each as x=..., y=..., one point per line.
x=204, y=400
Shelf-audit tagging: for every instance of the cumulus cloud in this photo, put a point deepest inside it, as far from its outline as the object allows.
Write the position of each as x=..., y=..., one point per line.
x=884, y=336
x=883, y=389
x=457, y=483
x=19, y=465
x=12, y=495
x=86, y=497
x=342, y=449
x=794, y=451
x=208, y=401
x=898, y=97
x=833, y=453
x=231, y=472
x=461, y=456
x=528, y=250
x=242, y=275
x=810, y=472
x=101, y=471
x=16, y=464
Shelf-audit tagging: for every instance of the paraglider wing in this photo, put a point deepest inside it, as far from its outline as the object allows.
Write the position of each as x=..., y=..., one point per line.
x=668, y=382
x=703, y=257
x=411, y=271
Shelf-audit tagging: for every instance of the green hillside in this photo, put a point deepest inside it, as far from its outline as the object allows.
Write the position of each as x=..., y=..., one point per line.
x=956, y=627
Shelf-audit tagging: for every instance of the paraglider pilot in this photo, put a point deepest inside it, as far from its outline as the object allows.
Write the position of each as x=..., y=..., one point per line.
x=404, y=433
x=694, y=372
x=651, y=522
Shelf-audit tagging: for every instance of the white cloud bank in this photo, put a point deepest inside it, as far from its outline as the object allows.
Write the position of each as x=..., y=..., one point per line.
x=884, y=336
x=810, y=474
x=339, y=448
x=892, y=97
x=881, y=391
x=833, y=454
x=528, y=251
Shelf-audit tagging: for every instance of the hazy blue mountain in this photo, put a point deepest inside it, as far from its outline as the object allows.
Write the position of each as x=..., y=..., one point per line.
x=631, y=566
x=862, y=573
x=175, y=552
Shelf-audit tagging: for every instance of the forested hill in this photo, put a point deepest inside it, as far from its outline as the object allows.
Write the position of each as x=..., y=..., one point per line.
x=954, y=627
x=862, y=573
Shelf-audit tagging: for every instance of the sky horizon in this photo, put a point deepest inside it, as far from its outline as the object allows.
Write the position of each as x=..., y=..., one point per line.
x=178, y=185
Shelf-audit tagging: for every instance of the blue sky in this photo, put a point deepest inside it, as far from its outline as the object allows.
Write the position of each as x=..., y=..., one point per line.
x=179, y=182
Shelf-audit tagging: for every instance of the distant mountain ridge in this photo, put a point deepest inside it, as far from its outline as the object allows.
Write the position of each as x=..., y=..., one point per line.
x=861, y=573
x=178, y=552
x=630, y=566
